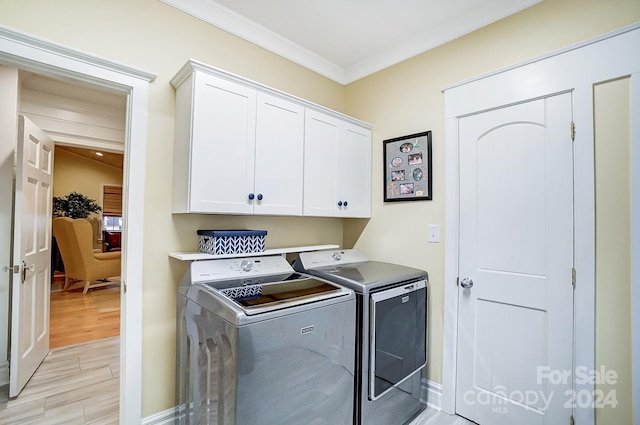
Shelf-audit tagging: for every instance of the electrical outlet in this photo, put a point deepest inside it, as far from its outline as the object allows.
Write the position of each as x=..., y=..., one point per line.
x=434, y=233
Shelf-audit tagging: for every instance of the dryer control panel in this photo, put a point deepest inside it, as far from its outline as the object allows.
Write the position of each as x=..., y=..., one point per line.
x=318, y=259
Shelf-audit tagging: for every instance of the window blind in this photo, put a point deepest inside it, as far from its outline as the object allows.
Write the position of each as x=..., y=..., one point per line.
x=112, y=201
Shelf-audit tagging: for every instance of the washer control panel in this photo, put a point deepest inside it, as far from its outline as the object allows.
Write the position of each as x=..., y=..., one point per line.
x=232, y=268
x=317, y=259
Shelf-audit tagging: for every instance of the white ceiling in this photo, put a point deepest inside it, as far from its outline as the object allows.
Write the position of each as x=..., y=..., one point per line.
x=346, y=40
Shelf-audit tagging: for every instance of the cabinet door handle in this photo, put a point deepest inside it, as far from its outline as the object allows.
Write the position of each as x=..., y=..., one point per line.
x=251, y=196
x=259, y=196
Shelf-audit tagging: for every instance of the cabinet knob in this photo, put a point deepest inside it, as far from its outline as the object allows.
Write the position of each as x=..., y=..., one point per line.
x=259, y=196
x=345, y=203
x=339, y=203
x=251, y=196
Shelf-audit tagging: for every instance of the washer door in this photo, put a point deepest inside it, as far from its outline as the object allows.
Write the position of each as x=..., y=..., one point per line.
x=398, y=336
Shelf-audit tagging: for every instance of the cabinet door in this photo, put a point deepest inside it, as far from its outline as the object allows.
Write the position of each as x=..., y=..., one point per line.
x=278, y=157
x=222, y=146
x=354, y=171
x=321, y=138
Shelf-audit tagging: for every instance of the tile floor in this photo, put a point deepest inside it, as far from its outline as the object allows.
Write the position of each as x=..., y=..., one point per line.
x=78, y=384
x=434, y=417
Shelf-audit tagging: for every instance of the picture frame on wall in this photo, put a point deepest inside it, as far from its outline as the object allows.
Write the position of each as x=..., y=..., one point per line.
x=407, y=168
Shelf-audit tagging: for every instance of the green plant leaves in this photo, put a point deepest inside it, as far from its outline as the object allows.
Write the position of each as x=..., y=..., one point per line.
x=74, y=205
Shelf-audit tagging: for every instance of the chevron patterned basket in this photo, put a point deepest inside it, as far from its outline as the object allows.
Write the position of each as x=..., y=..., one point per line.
x=231, y=241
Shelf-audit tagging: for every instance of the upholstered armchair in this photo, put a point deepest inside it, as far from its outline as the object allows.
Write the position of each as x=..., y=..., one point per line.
x=81, y=262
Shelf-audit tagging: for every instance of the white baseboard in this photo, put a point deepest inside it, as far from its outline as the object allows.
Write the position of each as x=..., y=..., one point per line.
x=4, y=373
x=433, y=399
x=433, y=392
x=166, y=417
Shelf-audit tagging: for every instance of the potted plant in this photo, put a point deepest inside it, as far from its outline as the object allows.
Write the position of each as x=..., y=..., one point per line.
x=74, y=205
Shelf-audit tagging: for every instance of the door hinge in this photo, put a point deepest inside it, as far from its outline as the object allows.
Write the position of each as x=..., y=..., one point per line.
x=573, y=131
x=571, y=420
x=573, y=277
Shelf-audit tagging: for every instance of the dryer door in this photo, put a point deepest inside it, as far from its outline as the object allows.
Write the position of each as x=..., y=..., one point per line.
x=398, y=336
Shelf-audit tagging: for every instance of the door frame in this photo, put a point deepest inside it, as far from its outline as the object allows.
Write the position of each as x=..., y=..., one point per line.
x=38, y=55
x=600, y=59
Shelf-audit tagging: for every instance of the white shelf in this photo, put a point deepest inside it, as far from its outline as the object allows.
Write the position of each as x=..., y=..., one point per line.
x=195, y=256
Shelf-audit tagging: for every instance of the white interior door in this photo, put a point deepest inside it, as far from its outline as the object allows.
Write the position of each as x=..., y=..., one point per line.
x=515, y=323
x=32, y=253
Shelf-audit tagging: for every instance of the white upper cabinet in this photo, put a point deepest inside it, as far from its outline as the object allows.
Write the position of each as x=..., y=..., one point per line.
x=214, y=146
x=322, y=135
x=337, y=167
x=243, y=148
x=354, y=171
x=279, y=157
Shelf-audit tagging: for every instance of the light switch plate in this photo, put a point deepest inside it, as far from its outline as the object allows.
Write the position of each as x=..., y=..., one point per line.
x=434, y=233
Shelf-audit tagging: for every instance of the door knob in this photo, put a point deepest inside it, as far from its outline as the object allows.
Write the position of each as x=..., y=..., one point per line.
x=466, y=283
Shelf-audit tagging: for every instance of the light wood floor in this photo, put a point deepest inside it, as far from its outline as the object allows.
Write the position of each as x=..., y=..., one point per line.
x=78, y=384
x=75, y=318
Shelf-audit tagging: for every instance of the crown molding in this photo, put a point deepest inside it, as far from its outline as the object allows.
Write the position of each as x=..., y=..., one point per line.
x=472, y=20
x=236, y=24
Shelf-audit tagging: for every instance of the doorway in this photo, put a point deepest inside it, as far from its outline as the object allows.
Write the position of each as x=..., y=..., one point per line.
x=47, y=58
x=605, y=58
x=77, y=317
x=515, y=317
x=50, y=111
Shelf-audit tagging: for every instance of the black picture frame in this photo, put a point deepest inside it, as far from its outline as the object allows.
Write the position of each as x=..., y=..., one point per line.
x=411, y=157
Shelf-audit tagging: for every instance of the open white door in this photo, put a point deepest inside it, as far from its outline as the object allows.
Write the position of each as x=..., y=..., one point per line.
x=31, y=281
x=515, y=322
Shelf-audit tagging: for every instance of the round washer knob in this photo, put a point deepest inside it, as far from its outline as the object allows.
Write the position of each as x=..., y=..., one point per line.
x=336, y=256
x=246, y=265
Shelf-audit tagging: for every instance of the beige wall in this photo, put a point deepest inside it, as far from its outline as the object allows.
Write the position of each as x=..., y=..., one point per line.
x=613, y=248
x=401, y=100
x=155, y=37
x=407, y=99
x=76, y=173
